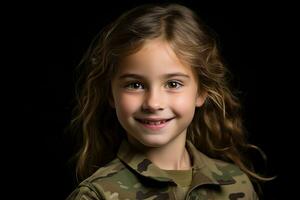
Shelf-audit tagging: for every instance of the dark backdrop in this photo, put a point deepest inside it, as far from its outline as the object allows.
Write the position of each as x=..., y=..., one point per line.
x=47, y=40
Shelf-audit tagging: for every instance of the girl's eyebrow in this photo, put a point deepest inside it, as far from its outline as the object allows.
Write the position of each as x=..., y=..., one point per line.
x=166, y=76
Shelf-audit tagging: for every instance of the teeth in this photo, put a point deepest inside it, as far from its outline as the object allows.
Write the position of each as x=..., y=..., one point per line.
x=154, y=123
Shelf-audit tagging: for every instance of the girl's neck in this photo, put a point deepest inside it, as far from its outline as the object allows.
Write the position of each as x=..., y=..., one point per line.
x=172, y=156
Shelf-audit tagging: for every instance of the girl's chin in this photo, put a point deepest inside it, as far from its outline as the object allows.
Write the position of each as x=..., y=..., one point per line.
x=149, y=142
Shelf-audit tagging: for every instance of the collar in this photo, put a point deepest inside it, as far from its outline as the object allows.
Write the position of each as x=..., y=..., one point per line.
x=205, y=171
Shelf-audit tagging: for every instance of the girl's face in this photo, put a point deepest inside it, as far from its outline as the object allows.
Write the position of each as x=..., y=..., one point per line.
x=155, y=95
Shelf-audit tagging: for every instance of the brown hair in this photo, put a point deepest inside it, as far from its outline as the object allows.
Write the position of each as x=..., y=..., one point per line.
x=216, y=129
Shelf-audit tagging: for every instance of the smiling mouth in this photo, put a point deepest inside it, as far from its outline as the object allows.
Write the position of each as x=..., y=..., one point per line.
x=153, y=122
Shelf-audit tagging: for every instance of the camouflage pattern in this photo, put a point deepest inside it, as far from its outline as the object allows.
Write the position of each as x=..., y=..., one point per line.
x=132, y=176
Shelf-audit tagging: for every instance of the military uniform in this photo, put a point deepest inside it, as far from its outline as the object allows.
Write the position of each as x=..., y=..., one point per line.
x=132, y=176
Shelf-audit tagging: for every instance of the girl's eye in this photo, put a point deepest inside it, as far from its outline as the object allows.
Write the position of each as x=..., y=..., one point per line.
x=135, y=86
x=174, y=84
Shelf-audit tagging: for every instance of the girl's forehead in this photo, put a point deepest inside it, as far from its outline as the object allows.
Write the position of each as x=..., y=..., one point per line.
x=156, y=55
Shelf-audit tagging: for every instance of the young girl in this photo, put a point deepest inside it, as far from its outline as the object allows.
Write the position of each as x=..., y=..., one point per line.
x=155, y=114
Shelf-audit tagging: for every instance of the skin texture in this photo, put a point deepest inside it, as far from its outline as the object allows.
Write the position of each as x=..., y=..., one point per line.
x=155, y=96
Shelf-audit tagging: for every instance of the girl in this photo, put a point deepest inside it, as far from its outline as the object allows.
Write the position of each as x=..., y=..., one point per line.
x=155, y=114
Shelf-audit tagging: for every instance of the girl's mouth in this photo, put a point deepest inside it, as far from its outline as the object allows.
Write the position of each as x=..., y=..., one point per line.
x=154, y=124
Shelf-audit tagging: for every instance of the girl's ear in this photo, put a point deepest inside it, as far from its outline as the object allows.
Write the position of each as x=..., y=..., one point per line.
x=201, y=99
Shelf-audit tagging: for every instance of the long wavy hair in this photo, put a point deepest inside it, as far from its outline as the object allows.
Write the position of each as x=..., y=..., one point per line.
x=216, y=129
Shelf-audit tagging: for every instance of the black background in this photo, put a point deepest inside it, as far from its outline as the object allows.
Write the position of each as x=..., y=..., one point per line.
x=44, y=42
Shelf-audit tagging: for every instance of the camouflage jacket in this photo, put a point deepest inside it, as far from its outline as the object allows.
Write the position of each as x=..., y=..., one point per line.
x=132, y=176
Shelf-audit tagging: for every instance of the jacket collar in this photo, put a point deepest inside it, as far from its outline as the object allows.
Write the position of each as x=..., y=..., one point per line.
x=204, y=168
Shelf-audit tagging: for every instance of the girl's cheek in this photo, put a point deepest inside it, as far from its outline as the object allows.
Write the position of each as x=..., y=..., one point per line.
x=129, y=103
x=183, y=104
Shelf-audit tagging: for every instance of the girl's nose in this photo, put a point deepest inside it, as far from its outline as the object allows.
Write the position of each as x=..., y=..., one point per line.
x=153, y=101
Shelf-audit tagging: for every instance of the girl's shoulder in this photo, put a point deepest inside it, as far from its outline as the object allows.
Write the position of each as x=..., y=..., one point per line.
x=109, y=170
x=216, y=169
x=234, y=182
x=100, y=184
x=228, y=176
